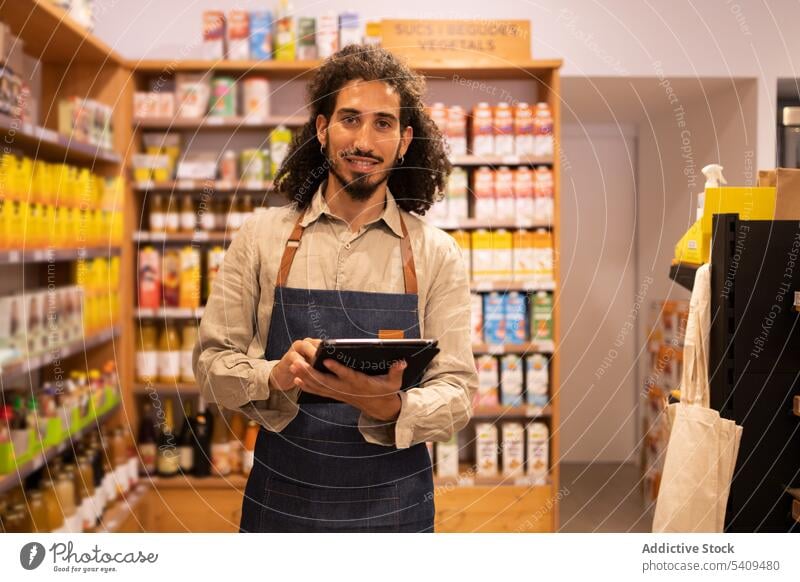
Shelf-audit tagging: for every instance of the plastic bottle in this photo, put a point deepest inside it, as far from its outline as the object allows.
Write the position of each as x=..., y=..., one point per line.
x=714, y=179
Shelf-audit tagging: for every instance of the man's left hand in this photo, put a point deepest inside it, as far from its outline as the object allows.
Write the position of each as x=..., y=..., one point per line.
x=376, y=396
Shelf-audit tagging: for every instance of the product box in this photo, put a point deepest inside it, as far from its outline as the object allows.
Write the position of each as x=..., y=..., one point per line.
x=542, y=317
x=476, y=304
x=256, y=100
x=261, y=35
x=543, y=195
x=213, y=35
x=516, y=317
x=503, y=130
x=279, y=141
x=524, y=201
x=483, y=267
x=456, y=135
x=238, y=34
x=485, y=202
x=149, y=278
x=511, y=380
x=189, y=292
x=537, y=380
x=487, y=381
x=494, y=321
x=306, y=39
x=447, y=458
x=486, y=449
x=543, y=265
x=349, y=29
x=192, y=94
x=523, y=130
x=457, y=189
x=513, y=449
x=502, y=254
x=284, y=39
x=504, y=194
x=524, y=242
x=327, y=35
x=538, y=452
x=482, y=130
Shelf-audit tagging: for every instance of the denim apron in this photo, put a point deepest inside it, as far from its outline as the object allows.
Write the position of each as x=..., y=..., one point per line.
x=319, y=474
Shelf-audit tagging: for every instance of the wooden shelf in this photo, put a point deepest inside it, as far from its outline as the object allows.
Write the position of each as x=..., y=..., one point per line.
x=11, y=480
x=494, y=161
x=236, y=481
x=43, y=143
x=209, y=122
x=169, y=313
x=467, y=477
x=478, y=223
x=15, y=257
x=204, y=186
x=498, y=412
x=51, y=36
x=113, y=518
x=521, y=70
x=10, y=371
x=521, y=349
x=184, y=237
x=489, y=286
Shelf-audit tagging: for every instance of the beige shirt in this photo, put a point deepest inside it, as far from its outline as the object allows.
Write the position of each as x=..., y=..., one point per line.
x=229, y=356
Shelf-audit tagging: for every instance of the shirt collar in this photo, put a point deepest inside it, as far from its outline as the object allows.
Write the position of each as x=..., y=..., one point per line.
x=319, y=206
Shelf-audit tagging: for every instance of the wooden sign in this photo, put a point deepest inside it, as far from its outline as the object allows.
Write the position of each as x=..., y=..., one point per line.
x=469, y=41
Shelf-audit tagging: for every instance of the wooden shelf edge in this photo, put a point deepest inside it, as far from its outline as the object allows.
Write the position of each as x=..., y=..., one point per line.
x=18, y=256
x=115, y=516
x=544, y=347
x=237, y=481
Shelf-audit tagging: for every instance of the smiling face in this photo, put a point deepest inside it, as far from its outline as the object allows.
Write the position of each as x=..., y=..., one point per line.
x=363, y=139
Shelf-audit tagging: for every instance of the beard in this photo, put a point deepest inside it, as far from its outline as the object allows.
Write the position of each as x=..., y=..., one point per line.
x=361, y=187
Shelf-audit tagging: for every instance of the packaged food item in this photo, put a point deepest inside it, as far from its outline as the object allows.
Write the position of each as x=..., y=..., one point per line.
x=543, y=130
x=192, y=95
x=482, y=130
x=447, y=458
x=511, y=380
x=279, y=141
x=171, y=276
x=456, y=131
x=228, y=170
x=516, y=317
x=482, y=255
x=327, y=35
x=537, y=380
x=349, y=29
x=494, y=320
x=149, y=278
x=524, y=207
x=169, y=355
x=513, y=449
x=256, y=100
x=502, y=254
x=238, y=29
x=476, y=304
x=488, y=380
x=213, y=35
x=252, y=164
x=524, y=255
x=503, y=129
x=486, y=449
x=485, y=206
x=284, y=33
x=147, y=353
x=504, y=194
x=543, y=265
x=306, y=39
x=188, y=215
x=261, y=35
x=543, y=194
x=438, y=113
x=542, y=319
x=523, y=130
x=189, y=285
x=457, y=195
x=224, y=99
x=462, y=237
x=538, y=452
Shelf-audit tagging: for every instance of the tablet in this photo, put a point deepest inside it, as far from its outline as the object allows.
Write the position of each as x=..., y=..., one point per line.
x=374, y=357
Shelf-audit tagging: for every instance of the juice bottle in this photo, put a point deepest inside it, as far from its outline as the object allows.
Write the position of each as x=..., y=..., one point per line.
x=171, y=272
x=189, y=284
x=149, y=278
x=214, y=262
x=169, y=355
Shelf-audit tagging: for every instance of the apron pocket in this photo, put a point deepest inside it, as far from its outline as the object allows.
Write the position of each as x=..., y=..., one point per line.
x=290, y=507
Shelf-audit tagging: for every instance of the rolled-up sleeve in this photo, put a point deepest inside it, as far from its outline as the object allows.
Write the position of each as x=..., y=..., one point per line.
x=225, y=373
x=442, y=404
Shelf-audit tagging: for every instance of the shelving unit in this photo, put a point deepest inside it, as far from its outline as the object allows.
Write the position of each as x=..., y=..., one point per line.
x=499, y=504
x=72, y=63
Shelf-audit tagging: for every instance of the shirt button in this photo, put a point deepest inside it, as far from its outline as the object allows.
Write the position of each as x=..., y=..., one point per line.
x=347, y=246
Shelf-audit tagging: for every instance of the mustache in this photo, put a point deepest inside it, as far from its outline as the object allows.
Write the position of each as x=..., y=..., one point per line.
x=360, y=154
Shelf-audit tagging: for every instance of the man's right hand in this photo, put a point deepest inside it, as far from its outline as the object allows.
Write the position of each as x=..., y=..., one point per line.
x=281, y=378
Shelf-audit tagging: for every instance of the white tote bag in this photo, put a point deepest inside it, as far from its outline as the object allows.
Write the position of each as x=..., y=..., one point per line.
x=702, y=448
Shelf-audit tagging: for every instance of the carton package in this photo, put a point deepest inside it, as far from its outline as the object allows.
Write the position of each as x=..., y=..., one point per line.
x=213, y=35
x=483, y=267
x=504, y=194
x=537, y=380
x=457, y=199
x=485, y=202
x=513, y=449
x=463, y=240
x=486, y=449
x=525, y=255
x=502, y=254
x=238, y=34
x=261, y=35
x=476, y=304
x=327, y=36
x=516, y=317
x=511, y=380
x=538, y=452
x=306, y=39
x=447, y=458
x=192, y=93
x=349, y=29
x=487, y=381
x=494, y=320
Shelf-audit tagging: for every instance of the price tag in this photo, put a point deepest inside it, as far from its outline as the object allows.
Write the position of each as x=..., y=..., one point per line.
x=215, y=120
x=254, y=121
x=157, y=236
x=38, y=256
x=47, y=134
x=13, y=257
x=224, y=185
x=38, y=462
x=496, y=349
x=466, y=480
x=199, y=311
x=484, y=286
x=145, y=185
x=185, y=185
x=533, y=411
x=28, y=128
x=253, y=184
x=200, y=235
x=509, y=159
x=523, y=481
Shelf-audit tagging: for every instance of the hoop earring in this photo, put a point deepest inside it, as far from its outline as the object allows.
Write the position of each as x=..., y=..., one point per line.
x=400, y=160
x=322, y=149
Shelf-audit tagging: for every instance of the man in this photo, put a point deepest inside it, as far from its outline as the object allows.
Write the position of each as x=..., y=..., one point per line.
x=344, y=451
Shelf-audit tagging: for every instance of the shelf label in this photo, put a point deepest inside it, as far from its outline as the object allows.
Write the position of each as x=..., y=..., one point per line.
x=38, y=256
x=509, y=160
x=185, y=185
x=254, y=121
x=215, y=120
x=533, y=411
x=13, y=256
x=157, y=236
x=253, y=185
x=496, y=349
x=200, y=235
x=484, y=286
x=224, y=185
x=145, y=185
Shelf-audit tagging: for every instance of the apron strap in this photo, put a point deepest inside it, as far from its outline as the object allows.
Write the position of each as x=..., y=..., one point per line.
x=293, y=243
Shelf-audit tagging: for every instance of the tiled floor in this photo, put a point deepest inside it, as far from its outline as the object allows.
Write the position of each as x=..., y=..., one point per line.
x=602, y=497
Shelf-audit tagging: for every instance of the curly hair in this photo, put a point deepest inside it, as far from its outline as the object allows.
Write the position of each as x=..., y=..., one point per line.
x=426, y=167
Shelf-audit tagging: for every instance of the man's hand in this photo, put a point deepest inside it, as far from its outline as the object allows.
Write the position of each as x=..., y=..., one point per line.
x=376, y=396
x=282, y=378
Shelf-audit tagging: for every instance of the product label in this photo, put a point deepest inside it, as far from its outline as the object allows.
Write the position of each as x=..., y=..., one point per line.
x=169, y=364
x=187, y=371
x=187, y=221
x=146, y=364
x=186, y=458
